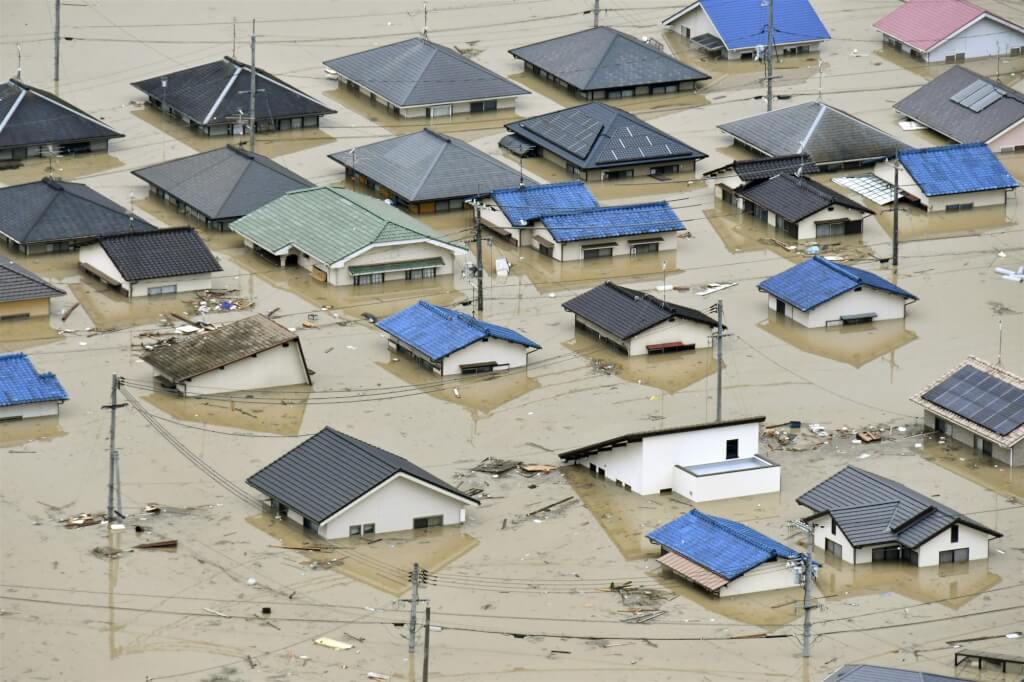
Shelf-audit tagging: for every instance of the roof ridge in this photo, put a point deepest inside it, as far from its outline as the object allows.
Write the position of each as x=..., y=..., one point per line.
x=49, y=182
x=717, y=522
x=822, y=108
x=616, y=35
x=433, y=164
x=841, y=269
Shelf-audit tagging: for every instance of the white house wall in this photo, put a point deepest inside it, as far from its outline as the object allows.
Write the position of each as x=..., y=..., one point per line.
x=971, y=538
x=698, y=23
x=280, y=366
x=991, y=197
x=623, y=465
x=806, y=228
x=662, y=453
x=681, y=330
x=980, y=40
x=573, y=251
x=886, y=306
x=94, y=258
x=771, y=575
x=823, y=530
x=340, y=276
x=499, y=351
x=30, y=410
x=1009, y=140
x=726, y=485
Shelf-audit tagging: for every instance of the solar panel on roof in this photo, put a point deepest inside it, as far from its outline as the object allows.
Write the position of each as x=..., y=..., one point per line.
x=978, y=95
x=982, y=398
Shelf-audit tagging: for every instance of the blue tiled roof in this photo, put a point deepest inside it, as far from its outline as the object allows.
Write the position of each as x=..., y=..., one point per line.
x=956, y=168
x=816, y=281
x=438, y=332
x=743, y=23
x=20, y=383
x=725, y=547
x=613, y=221
x=524, y=205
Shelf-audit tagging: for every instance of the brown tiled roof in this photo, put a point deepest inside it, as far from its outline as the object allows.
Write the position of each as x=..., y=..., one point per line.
x=694, y=572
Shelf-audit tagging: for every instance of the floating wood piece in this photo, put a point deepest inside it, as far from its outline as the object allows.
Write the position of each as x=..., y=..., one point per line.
x=67, y=313
x=715, y=287
x=869, y=436
x=270, y=315
x=253, y=663
x=358, y=639
x=537, y=468
x=335, y=644
x=216, y=613
x=378, y=676
x=495, y=466
x=646, y=617
x=159, y=544
x=305, y=548
x=551, y=506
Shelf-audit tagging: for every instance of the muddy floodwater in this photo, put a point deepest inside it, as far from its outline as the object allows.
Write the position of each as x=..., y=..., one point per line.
x=514, y=597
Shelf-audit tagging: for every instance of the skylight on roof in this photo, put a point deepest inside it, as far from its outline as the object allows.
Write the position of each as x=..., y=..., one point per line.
x=978, y=95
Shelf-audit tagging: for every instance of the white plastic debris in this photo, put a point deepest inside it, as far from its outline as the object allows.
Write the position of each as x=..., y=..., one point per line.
x=250, y=582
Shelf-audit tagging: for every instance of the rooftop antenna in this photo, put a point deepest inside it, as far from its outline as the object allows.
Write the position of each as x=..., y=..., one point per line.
x=19, y=62
x=597, y=13
x=820, y=65
x=234, y=35
x=522, y=182
x=131, y=211
x=425, y=11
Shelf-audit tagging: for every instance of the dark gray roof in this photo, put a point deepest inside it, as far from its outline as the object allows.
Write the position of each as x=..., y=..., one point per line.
x=627, y=312
x=600, y=58
x=595, y=135
x=30, y=116
x=762, y=169
x=174, y=252
x=20, y=284
x=56, y=211
x=875, y=673
x=427, y=165
x=637, y=436
x=417, y=72
x=216, y=92
x=331, y=470
x=795, y=198
x=871, y=509
x=824, y=133
x=224, y=183
x=202, y=352
x=932, y=105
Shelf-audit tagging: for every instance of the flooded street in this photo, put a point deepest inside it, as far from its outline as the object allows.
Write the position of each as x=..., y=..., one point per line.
x=515, y=597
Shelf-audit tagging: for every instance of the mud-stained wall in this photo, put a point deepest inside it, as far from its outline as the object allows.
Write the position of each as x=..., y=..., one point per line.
x=340, y=276
x=966, y=438
x=39, y=307
x=684, y=331
x=867, y=300
x=280, y=366
x=393, y=506
x=772, y=575
x=970, y=538
x=30, y=410
x=94, y=259
x=499, y=351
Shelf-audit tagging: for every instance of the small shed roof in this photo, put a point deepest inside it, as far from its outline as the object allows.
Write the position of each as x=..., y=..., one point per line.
x=329, y=471
x=956, y=168
x=925, y=24
x=31, y=116
x=815, y=281
x=762, y=169
x=795, y=198
x=876, y=673
x=609, y=443
x=20, y=284
x=21, y=384
x=613, y=222
x=744, y=24
x=628, y=312
x=523, y=205
x=173, y=252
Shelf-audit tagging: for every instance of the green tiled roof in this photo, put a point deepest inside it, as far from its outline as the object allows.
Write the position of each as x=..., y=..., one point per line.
x=330, y=224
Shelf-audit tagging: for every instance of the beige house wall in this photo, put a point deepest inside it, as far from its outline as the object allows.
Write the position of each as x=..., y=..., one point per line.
x=39, y=307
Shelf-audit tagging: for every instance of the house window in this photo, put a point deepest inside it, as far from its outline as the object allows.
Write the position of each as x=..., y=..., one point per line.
x=1016, y=51
x=983, y=446
x=489, y=105
x=957, y=58
x=421, y=273
x=603, y=252
x=619, y=174
x=664, y=170
x=955, y=556
x=428, y=522
x=165, y=289
x=885, y=554
x=369, y=528
x=834, y=228
x=954, y=533
x=732, y=448
x=638, y=249
x=833, y=549
x=354, y=531
x=363, y=280
x=953, y=208
x=545, y=250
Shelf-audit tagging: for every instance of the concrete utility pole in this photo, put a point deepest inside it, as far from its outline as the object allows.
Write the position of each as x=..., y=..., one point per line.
x=114, y=485
x=597, y=13
x=252, y=91
x=719, y=334
x=234, y=35
x=807, y=573
x=56, y=44
x=426, y=647
x=770, y=52
x=896, y=211
x=425, y=11
x=414, y=600
x=479, y=257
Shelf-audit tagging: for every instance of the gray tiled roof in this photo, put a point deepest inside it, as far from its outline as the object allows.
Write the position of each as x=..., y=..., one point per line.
x=223, y=183
x=875, y=673
x=55, y=211
x=19, y=284
x=30, y=116
x=595, y=135
x=871, y=509
x=174, y=252
x=795, y=198
x=600, y=58
x=331, y=470
x=762, y=169
x=417, y=72
x=627, y=312
x=931, y=105
x=206, y=351
x=825, y=133
x=426, y=165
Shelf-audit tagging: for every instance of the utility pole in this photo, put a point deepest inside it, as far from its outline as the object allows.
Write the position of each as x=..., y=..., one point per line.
x=896, y=211
x=252, y=91
x=770, y=52
x=479, y=257
x=807, y=572
x=234, y=35
x=718, y=336
x=425, y=11
x=114, y=485
x=426, y=647
x=56, y=45
x=413, y=603
x=597, y=13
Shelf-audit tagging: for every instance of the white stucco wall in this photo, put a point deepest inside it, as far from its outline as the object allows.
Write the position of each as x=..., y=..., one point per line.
x=573, y=251
x=823, y=530
x=992, y=197
x=771, y=575
x=806, y=228
x=492, y=350
x=697, y=21
x=662, y=453
x=682, y=330
x=30, y=410
x=726, y=485
x=340, y=275
x=621, y=465
x=886, y=306
x=974, y=540
x=95, y=259
x=1008, y=140
x=280, y=366
x=979, y=40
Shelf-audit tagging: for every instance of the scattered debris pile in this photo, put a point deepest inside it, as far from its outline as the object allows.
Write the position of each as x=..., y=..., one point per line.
x=220, y=301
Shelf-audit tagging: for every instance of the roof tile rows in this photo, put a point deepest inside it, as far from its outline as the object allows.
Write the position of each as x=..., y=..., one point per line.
x=20, y=284
x=956, y=168
x=815, y=281
x=523, y=205
x=744, y=23
x=627, y=312
x=795, y=198
x=21, y=384
x=30, y=116
x=172, y=252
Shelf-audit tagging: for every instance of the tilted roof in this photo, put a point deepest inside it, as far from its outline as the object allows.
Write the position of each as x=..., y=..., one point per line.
x=596, y=135
x=875, y=673
x=795, y=198
x=218, y=91
x=223, y=183
x=613, y=221
x=815, y=281
x=329, y=471
x=744, y=23
x=871, y=509
x=196, y=354
x=956, y=168
x=173, y=252
x=725, y=547
x=438, y=332
x=762, y=169
x=55, y=211
x=21, y=384
x=427, y=165
x=30, y=116
x=627, y=312
x=823, y=132
x=608, y=443
x=20, y=284
x=418, y=72
x=523, y=205
x=331, y=224
x=600, y=58
x=924, y=24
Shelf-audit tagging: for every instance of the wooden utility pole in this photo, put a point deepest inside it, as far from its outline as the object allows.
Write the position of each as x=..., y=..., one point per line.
x=479, y=257
x=718, y=351
x=56, y=44
x=114, y=485
x=770, y=52
x=252, y=91
x=426, y=647
x=807, y=573
x=896, y=211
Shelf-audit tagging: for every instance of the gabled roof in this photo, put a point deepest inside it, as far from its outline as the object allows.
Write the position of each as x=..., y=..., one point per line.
x=21, y=384
x=417, y=72
x=871, y=509
x=939, y=105
x=223, y=183
x=823, y=132
x=20, y=284
x=185, y=358
x=438, y=332
x=595, y=135
x=600, y=58
x=30, y=116
x=744, y=24
x=724, y=547
x=981, y=398
x=610, y=443
x=331, y=224
x=925, y=24
x=427, y=165
x=612, y=222
x=762, y=169
x=815, y=281
x=796, y=198
x=218, y=91
x=173, y=252
x=329, y=471
x=875, y=673
x=628, y=312
x=55, y=211
x=523, y=205
x=956, y=168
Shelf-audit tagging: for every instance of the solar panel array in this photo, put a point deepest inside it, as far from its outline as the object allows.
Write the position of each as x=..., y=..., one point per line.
x=573, y=131
x=978, y=95
x=982, y=398
x=630, y=143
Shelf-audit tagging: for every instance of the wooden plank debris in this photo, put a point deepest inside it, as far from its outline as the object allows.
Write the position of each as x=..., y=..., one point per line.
x=550, y=506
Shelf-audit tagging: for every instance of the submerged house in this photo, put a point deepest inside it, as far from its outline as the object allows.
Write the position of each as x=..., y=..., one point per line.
x=724, y=557
x=417, y=78
x=949, y=31
x=737, y=174
x=514, y=213
x=800, y=208
x=861, y=518
x=33, y=121
x=638, y=323
x=338, y=486
x=214, y=99
x=701, y=462
x=602, y=63
x=979, y=405
x=822, y=293
x=449, y=342
x=876, y=673
x=23, y=294
x=26, y=393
